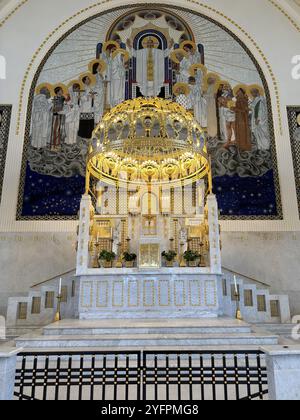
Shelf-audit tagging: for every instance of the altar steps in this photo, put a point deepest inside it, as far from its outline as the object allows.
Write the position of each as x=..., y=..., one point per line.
x=257, y=303
x=148, y=326
x=144, y=334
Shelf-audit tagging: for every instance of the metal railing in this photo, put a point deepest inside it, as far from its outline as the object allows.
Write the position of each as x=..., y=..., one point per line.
x=142, y=376
x=247, y=277
x=52, y=278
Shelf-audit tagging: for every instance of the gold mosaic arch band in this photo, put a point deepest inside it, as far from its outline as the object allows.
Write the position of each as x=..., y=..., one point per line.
x=281, y=10
x=272, y=2
x=204, y=6
x=13, y=12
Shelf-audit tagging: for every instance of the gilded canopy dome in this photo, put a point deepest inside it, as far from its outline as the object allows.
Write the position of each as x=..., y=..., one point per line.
x=148, y=141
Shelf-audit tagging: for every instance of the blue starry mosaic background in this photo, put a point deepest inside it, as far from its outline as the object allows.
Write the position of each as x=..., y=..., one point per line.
x=49, y=196
x=246, y=196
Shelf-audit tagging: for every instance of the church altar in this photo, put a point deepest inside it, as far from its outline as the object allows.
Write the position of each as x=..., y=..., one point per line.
x=147, y=194
x=162, y=293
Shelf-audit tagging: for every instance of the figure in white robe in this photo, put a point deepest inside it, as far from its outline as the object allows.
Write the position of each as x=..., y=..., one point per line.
x=150, y=68
x=198, y=100
x=193, y=54
x=87, y=112
x=117, y=80
x=99, y=98
x=41, y=120
x=225, y=96
x=259, y=121
x=230, y=118
x=184, y=70
x=190, y=58
x=223, y=126
x=72, y=111
x=210, y=96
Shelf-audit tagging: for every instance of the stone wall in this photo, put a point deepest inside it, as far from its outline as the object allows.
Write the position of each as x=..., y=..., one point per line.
x=27, y=259
x=272, y=258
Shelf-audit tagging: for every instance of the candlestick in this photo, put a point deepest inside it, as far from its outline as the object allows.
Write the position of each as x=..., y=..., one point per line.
x=57, y=316
x=236, y=285
x=60, y=286
x=237, y=298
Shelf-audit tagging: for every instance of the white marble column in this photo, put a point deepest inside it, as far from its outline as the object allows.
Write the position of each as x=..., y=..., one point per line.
x=283, y=366
x=200, y=197
x=214, y=234
x=100, y=191
x=84, y=234
x=2, y=328
x=8, y=360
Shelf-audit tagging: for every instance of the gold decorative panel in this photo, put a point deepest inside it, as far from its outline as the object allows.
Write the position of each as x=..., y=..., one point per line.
x=149, y=225
x=118, y=294
x=133, y=294
x=275, y=308
x=261, y=303
x=87, y=294
x=22, y=311
x=49, y=300
x=195, y=292
x=36, y=305
x=150, y=256
x=248, y=298
x=149, y=293
x=210, y=293
x=180, y=294
x=164, y=293
x=102, y=294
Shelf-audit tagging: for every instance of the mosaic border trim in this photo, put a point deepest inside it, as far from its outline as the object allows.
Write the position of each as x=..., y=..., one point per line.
x=19, y=216
x=4, y=136
x=292, y=112
x=12, y=13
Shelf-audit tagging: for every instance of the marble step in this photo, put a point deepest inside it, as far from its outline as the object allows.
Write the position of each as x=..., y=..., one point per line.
x=142, y=331
x=157, y=326
x=147, y=340
x=284, y=330
x=13, y=332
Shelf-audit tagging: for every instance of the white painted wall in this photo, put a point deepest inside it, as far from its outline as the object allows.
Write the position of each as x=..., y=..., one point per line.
x=264, y=29
x=272, y=258
x=28, y=259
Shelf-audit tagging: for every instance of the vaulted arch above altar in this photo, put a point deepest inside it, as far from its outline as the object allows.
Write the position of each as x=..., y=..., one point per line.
x=165, y=52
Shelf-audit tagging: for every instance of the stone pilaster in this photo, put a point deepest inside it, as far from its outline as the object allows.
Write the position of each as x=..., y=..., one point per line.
x=8, y=360
x=214, y=234
x=84, y=235
x=283, y=365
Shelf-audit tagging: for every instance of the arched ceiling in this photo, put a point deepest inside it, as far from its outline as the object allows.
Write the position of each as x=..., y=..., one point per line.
x=285, y=4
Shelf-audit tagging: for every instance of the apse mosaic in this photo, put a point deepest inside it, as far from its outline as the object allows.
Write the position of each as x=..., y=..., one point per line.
x=169, y=53
x=5, y=115
x=294, y=124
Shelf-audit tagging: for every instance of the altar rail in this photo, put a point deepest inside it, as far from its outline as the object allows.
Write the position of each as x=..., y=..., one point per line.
x=142, y=376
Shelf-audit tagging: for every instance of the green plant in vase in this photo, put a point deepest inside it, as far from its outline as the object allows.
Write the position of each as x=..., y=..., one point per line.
x=107, y=258
x=169, y=257
x=129, y=259
x=192, y=258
